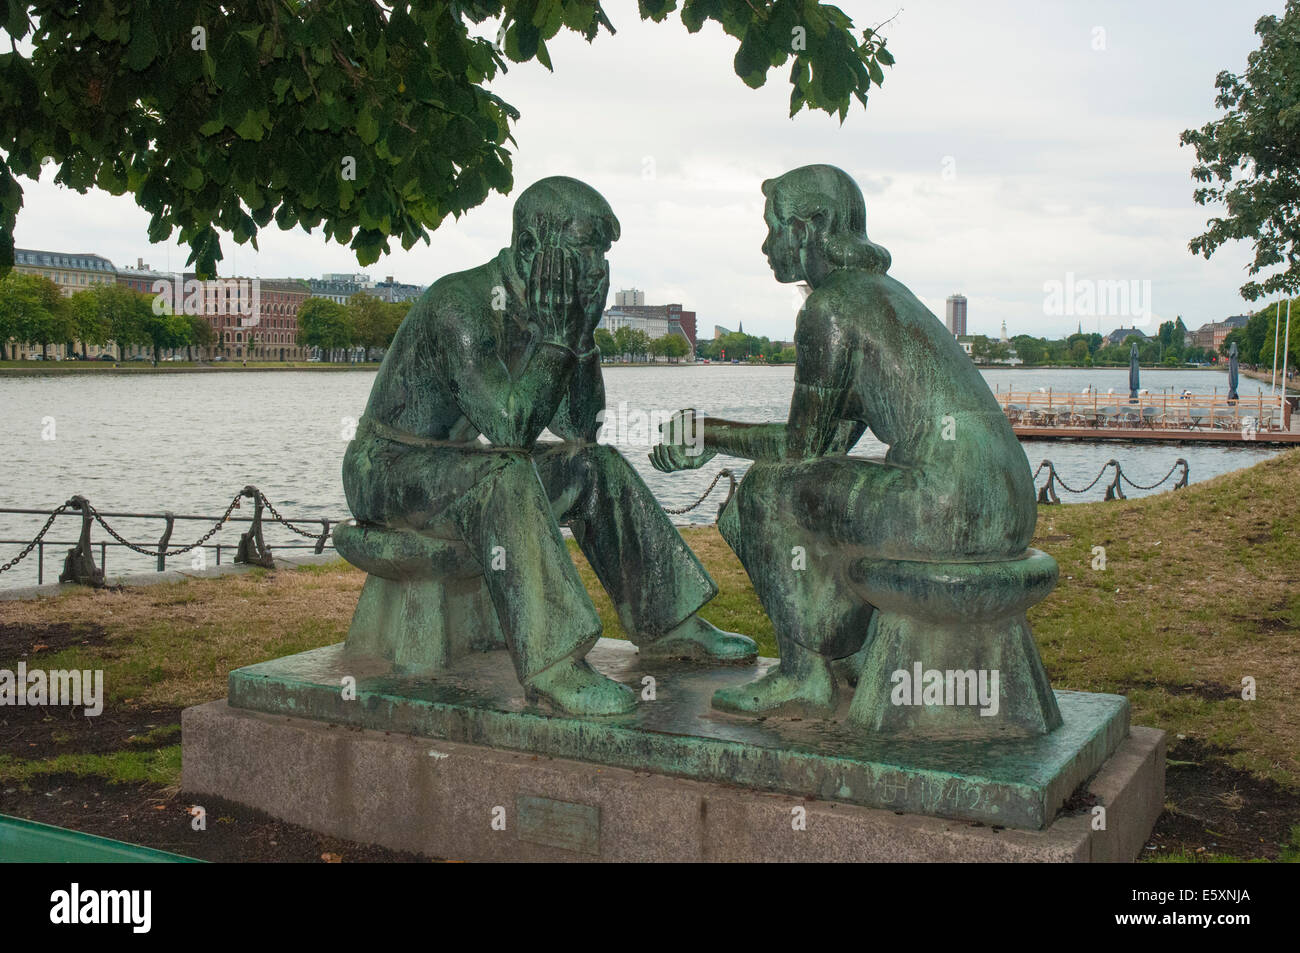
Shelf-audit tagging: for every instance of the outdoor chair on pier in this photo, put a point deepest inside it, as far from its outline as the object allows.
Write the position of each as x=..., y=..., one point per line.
x=1224, y=419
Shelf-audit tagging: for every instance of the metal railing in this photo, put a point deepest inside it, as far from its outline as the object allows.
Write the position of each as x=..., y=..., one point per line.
x=79, y=563
x=1095, y=411
x=1114, y=491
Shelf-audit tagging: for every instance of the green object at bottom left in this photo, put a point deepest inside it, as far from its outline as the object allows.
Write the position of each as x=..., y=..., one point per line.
x=30, y=842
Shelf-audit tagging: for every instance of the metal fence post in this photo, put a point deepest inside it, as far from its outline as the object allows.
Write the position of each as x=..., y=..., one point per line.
x=79, y=565
x=252, y=547
x=1048, y=493
x=1114, y=491
x=166, y=537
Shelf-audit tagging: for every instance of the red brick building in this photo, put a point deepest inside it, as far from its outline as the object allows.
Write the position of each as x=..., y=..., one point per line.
x=268, y=330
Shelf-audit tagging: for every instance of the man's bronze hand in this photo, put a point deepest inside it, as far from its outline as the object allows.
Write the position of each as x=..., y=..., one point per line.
x=683, y=444
x=593, y=306
x=553, y=296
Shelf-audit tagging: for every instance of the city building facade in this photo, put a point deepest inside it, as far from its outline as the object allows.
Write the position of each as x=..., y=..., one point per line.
x=72, y=272
x=339, y=287
x=1211, y=335
x=1120, y=335
x=656, y=320
x=955, y=315
x=392, y=291
x=251, y=318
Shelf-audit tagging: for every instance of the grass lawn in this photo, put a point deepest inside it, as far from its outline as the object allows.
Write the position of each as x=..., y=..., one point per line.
x=1198, y=593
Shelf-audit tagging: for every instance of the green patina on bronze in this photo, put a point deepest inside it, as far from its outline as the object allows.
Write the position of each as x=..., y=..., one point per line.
x=905, y=579
x=1014, y=781
x=868, y=567
x=458, y=505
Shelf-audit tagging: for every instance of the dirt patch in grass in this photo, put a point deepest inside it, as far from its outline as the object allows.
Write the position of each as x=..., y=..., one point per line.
x=24, y=641
x=159, y=818
x=1203, y=690
x=39, y=733
x=1214, y=808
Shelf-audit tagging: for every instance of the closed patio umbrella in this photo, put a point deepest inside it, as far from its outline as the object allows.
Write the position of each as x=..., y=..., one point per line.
x=1133, y=382
x=1232, y=371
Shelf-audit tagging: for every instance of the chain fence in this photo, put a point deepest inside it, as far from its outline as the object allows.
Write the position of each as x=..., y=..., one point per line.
x=1114, y=489
x=80, y=566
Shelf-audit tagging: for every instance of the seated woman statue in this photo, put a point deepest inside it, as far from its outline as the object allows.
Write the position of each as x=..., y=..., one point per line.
x=955, y=485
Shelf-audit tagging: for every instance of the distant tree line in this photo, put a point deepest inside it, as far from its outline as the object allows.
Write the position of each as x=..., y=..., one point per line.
x=34, y=312
x=339, y=329
x=738, y=346
x=1166, y=347
x=1255, y=342
x=634, y=344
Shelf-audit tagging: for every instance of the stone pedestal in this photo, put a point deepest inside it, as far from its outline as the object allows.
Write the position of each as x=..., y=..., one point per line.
x=469, y=802
x=349, y=746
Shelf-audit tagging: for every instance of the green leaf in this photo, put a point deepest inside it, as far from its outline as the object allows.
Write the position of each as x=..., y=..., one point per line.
x=656, y=10
x=143, y=48
x=16, y=21
x=367, y=126
x=252, y=123
x=191, y=179
x=579, y=14
x=751, y=62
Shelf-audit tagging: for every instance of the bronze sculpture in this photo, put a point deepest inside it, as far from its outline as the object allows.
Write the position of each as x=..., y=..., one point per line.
x=458, y=505
x=870, y=567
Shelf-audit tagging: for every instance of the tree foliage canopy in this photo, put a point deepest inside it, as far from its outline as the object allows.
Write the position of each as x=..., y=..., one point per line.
x=1249, y=159
x=369, y=120
x=365, y=321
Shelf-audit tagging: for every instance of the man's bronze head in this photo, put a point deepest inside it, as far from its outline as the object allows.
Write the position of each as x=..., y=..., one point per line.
x=563, y=212
x=817, y=222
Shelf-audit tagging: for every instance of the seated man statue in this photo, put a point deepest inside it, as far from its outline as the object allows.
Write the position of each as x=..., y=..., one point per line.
x=954, y=487
x=448, y=446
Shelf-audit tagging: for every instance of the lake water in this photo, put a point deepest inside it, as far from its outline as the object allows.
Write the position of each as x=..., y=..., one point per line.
x=189, y=442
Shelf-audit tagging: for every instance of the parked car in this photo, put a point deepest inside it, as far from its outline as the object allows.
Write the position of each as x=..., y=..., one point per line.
x=217, y=358
x=138, y=357
x=106, y=357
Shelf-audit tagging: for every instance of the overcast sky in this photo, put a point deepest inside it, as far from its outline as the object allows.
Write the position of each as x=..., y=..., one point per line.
x=1004, y=151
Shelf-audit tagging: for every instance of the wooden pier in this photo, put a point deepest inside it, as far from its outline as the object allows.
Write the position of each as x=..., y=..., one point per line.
x=1170, y=418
